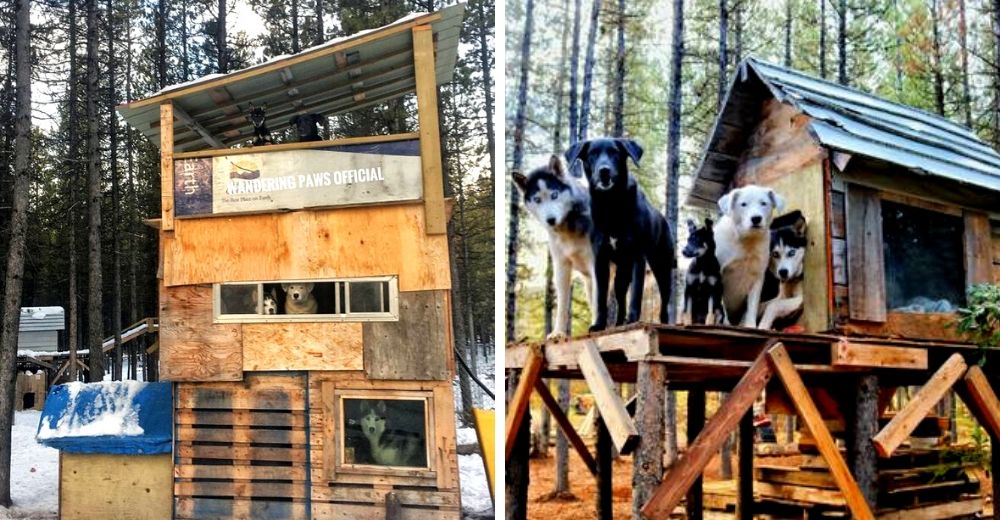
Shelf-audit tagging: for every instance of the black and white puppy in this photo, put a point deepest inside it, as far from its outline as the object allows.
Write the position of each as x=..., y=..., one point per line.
x=783, y=285
x=258, y=118
x=703, y=283
x=306, y=126
x=627, y=229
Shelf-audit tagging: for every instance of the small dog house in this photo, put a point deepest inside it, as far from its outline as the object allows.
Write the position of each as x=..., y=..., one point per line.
x=304, y=286
x=29, y=390
x=114, y=442
x=902, y=204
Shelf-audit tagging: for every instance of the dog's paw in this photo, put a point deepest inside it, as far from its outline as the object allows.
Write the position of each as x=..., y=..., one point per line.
x=556, y=335
x=597, y=327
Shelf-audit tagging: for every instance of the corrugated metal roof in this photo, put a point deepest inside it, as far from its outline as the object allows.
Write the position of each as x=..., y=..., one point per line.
x=844, y=119
x=42, y=318
x=338, y=76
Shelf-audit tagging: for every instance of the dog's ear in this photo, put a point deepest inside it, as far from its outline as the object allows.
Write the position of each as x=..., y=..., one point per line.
x=555, y=164
x=632, y=148
x=318, y=119
x=800, y=223
x=380, y=407
x=577, y=151
x=294, y=121
x=728, y=200
x=520, y=181
x=776, y=200
x=708, y=223
x=692, y=227
x=284, y=287
x=309, y=286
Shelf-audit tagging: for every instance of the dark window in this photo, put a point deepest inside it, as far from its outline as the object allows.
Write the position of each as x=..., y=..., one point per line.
x=385, y=432
x=924, y=266
x=367, y=297
x=362, y=299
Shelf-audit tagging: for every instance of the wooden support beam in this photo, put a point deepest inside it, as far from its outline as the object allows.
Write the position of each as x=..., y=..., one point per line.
x=688, y=468
x=167, y=166
x=695, y=502
x=982, y=400
x=560, y=416
x=206, y=136
x=518, y=404
x=806, y=409
x=903, y=424
x=605, y=472
x=647, y=461
x=849, y=353
x=860, y=452
x=430, y=137
x=606, y=398
x=744, y=487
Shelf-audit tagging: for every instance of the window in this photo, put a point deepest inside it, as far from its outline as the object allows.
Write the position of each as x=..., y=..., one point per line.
x=383, y=431
x=355, y=299
x=924, y=264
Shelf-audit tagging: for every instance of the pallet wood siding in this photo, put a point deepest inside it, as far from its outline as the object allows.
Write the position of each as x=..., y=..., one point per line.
x=362, y=495
x=978, y=248
x=241, y=449
x=302, y=346
x=328, y=243
x=100, y=485
x=995, y=242
x=838, y=239
x=401, y=350
x=865, y=261
x=192, y=348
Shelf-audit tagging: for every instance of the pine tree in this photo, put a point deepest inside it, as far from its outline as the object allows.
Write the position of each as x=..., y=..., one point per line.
x=95, y=275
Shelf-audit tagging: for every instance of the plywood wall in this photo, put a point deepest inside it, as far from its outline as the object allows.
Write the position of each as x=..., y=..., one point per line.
x=343, y=242
x=780, y=145
x=192, y=348
x=98, y=485
x=302, y=346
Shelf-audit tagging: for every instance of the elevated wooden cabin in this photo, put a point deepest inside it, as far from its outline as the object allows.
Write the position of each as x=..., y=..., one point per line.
x=903, y=205
x=272, y=410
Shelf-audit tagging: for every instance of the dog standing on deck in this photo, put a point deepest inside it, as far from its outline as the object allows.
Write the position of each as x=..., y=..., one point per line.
x=742, y=239
x=258, y=118
x=788, y=252
x=627, y=229
x=299, y=298
x=562, y=204
x=703, y=283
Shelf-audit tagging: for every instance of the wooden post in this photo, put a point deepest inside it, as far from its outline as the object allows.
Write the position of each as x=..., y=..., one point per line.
x=744, y=494
x=430, y=137
x=861, y=454
x=605, y=482
x=647, y=463
x=516, y=475
x=518, y=406
x=572, y=436
x=695, y=423
x=167, y=165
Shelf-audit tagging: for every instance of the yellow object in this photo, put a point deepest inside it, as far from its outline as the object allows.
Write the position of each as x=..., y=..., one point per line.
x=485, y=421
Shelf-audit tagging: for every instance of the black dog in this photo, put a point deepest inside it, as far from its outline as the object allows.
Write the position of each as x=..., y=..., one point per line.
x=306, y=125
x=627, y=229
x=261, y=135
x=703, y=285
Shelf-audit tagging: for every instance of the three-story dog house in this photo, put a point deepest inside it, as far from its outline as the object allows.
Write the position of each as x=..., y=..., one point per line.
x=345, y=410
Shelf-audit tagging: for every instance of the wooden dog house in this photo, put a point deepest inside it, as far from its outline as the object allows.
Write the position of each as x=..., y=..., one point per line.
x=270, y=408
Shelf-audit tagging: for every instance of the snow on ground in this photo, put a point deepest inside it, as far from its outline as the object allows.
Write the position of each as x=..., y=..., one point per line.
x=34, y=472
x=476, y=501
x=466, y=436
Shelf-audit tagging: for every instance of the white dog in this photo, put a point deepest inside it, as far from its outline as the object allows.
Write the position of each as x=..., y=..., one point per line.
x=299, y=298
x=742, y=239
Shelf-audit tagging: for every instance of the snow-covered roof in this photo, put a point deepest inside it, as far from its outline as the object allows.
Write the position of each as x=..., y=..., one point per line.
x=847, y=120
x=35, y=319
x=337, y=76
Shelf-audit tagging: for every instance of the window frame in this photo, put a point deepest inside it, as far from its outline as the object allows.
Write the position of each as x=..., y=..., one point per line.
x=391, y=315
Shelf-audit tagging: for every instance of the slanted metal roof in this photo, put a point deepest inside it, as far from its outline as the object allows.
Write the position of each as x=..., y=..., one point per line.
x=343, y=74
x=34, y=319
x=843, y=119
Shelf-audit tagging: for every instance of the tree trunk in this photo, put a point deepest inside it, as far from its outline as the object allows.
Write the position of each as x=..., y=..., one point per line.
x=13, y=277
x=674, y=130
x=588, y=73
x=619, y=106
x=70, y=168
x=574, y=69
x=937, y=73
x=295, y=26
x=95, y=288
x=220, y=39
x=486, y=66
x=963, y=40
x=185, y=53
x=996, y=81
x=822, y=39
x=161, y=42
x=788, y=33
x=738, y=32
x=320, y=29
x=131, y=242
x=842, y=43
x=723, y=50
x=116, y=273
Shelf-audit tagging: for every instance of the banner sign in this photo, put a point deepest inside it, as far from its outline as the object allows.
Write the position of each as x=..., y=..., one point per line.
x=295, y=179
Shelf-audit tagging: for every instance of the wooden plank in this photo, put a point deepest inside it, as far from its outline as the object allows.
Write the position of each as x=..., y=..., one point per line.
x=695, y=499
x=865, y=261
x=167, y=166
x=806, y=409
x=241, y=434
x=978, y=248
x=315, y=244
x=686, y=470
x=839, y=252
x=93, y=485
x=241, y=488
x=239, y=418
x=375, y=495
x=192, y=348
x=560, y=417
x=982, y=400
x=647, y=461
x=860, y=453
x=604, y=497
x=838, y=223
x=239, y=472
x=422, y=327
x=809, y=495
x=910, y=325
x=958, y=509
x=302, y=346
x=606, y=398
x=851, y=353
x=795, y=476
x=201, y=508
x=241, y=453
x=904, y=422
x=343, y=141
x=518, y=404
x=430, y=138
x=193, y=396
x=322, y=511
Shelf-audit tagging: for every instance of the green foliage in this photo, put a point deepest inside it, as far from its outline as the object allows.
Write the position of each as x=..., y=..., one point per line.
x=979, y=321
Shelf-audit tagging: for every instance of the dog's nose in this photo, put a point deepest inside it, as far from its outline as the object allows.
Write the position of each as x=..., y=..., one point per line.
x=756, y=219
x=605, y=174
x=783, y=273
x=551, y=221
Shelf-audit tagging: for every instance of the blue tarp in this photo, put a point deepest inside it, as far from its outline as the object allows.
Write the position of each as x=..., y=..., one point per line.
x=123, y=417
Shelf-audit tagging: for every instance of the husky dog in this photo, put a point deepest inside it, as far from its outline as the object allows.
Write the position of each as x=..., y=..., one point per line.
x=742, y=245
x=788, y=251
x=389, y=448
x=703, y=284
x=257, y=116
x=299, y=298
x=270, y=302
x=561, y=203
x=627, y=229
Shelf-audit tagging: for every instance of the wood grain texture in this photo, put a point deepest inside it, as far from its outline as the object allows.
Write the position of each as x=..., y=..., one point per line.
x=647, y=461
x=982, y=400
x=567, y=428
x=416, y=346
x=302, y=346
x=978, y=248
x=865, y=260
x=192, y=348
x=518, y=405
x=780, y=146
x=688, y=468
x=301, y=145
x=904, y=422
x=98, y=485
x=807, y=412
x=608, y=401
x=328, y=243
x=910, y=325
x=430, y=137
x=167, y=165
x=848, y=353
